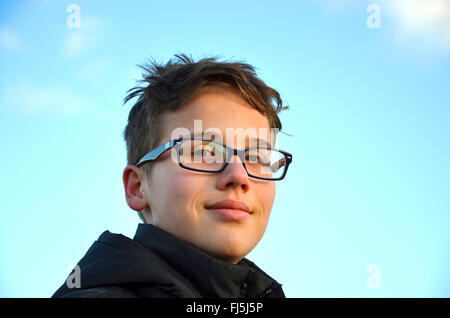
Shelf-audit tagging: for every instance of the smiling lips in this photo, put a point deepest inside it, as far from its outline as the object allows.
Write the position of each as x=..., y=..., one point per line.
x=231, y=209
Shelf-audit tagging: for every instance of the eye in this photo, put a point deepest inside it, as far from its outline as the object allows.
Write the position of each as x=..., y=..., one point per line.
x=205, y=150
x=258, y=156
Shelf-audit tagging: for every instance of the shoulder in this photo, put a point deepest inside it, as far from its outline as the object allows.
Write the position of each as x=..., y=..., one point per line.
x=100, y=292
x=138, y=291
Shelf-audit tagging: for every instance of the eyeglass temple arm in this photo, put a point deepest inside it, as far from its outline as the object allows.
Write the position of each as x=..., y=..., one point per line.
x=289, y=158
x=155, y=153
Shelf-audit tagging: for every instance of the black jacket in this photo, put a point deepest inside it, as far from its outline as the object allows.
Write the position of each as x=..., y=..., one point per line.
x=158, y=264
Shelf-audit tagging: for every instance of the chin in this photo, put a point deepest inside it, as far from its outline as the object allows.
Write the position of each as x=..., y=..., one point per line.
x=230, y=257
x=232, y=248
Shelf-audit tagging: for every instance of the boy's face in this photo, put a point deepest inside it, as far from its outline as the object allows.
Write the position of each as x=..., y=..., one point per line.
x=178, y=198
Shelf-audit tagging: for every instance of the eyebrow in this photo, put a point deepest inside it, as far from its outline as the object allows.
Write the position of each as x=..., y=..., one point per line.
x=261, y=142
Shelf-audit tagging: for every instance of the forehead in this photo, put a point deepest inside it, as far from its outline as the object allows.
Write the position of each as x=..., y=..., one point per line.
x=218, y=111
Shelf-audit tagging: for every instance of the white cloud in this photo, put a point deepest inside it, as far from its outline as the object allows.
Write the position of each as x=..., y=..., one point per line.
x=427, y=21
x=9, y=40
x=76, y=44
x=421, y=24
x=87, y=37
x=58, y=100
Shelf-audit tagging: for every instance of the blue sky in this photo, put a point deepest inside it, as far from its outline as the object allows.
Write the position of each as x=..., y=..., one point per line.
x=369, y=118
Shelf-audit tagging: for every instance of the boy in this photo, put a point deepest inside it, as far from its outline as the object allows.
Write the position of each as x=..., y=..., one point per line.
x=201, y=173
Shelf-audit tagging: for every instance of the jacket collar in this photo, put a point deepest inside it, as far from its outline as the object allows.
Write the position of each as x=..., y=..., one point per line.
x=209, y=276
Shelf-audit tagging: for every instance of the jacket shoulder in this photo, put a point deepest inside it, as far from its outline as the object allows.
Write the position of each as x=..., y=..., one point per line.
x=99, y=292
x=138, y=291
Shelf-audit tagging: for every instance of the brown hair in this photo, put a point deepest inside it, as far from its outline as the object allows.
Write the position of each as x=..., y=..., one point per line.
x=168, y=87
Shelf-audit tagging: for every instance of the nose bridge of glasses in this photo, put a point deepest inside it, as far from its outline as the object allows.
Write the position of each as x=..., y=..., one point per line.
x=233, y=153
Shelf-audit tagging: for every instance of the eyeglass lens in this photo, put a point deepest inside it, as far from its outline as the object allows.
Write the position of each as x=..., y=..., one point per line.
x=210, y=156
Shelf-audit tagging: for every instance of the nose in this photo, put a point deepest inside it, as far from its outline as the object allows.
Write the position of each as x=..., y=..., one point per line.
x=234, y=175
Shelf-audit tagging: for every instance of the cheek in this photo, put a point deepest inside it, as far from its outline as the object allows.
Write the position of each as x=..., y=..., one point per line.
x=266, y=196
x=183, y=190
x=172, y=197
x=164, y=188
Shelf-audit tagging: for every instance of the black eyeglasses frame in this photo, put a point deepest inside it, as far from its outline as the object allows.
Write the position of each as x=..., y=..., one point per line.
x=158, y=151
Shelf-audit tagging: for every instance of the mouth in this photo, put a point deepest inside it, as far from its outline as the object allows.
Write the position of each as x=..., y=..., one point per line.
x=230, y=210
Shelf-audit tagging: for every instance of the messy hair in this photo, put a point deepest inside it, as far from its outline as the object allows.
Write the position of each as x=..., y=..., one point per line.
x=167, y=87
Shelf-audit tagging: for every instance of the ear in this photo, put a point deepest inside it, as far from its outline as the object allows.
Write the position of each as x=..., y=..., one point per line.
x=133, y=179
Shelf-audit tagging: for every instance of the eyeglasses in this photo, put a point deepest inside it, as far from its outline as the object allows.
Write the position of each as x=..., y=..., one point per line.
x=210, y=156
